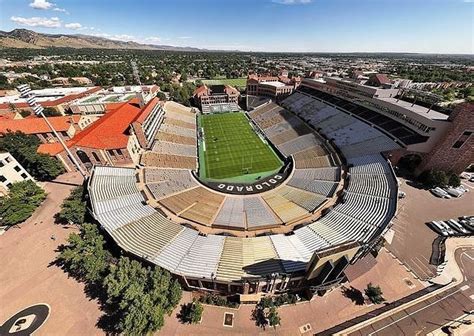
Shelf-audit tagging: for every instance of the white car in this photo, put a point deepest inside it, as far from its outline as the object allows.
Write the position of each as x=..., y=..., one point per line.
x=440, y=192
x=454, y=192
x=439, y=228
x=455, y=225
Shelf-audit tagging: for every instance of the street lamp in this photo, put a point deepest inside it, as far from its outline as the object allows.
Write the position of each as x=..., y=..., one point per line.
x=26, y=93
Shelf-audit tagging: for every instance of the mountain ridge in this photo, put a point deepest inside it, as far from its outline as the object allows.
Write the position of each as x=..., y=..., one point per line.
x=25, y=38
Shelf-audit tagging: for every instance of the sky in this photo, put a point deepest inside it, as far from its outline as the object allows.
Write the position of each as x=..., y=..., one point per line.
x=424, y=26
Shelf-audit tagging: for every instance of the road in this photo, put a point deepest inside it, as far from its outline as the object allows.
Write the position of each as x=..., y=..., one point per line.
x=435, y=312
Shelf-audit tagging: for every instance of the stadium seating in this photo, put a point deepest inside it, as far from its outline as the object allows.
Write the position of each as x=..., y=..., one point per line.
x=363, y=213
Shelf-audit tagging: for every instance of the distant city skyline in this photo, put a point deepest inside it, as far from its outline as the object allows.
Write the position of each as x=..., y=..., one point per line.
x=421, y=26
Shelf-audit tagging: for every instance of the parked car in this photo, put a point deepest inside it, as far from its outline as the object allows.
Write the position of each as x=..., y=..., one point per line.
x=440, y=192
x=467, y=221
x=439, y=228
x=448, y=228
x=462, y=188
x=454, y=192
x=455, y=225
x=466, y=176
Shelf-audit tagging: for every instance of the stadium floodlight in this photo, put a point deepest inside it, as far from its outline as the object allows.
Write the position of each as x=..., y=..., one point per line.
x=29, y=96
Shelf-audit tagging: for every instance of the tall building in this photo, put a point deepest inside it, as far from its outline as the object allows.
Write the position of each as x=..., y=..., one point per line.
x=10, y=172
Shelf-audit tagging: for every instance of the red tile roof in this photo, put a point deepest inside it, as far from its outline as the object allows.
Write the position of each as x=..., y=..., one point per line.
x=147, y=109
x=109, y=132
x=35, y=125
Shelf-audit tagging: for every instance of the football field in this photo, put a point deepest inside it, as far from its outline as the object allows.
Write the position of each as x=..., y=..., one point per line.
x=230, y=148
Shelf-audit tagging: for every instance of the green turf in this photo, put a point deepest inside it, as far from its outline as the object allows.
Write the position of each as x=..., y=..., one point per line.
x=237, y=82
x=231, y=149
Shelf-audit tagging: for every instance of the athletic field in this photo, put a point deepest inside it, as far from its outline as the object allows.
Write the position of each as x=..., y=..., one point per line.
x=230, y=148
x=237, y=82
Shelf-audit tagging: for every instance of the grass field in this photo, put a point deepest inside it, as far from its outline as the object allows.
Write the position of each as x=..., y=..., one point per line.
x=238, y=82
x=232, y=149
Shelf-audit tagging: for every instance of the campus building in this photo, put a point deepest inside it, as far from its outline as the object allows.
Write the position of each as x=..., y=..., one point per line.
x=10, y=172
x=59, y=99
x=117, y=138
x=99, y=102
x=217, y=98
x=65, y=126
x=271, y=86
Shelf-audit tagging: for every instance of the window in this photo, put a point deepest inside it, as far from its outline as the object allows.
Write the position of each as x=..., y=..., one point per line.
x=8, y=159
x=1, y=164
x=17, y=169
x=2, y=178
x=24, y=175
x=119, y=152
x=96, y=157
x=462, y=139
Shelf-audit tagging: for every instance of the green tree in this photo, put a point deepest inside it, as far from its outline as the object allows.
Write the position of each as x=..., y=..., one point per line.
x=434, y=178
x=374, y=293
x=85, y=256
x=22, y=200
x=161, y=96
x=191, y=312
x=454, y=180
x=24, y=149
x=273, y=317
x=73, y=209
x=141, y=296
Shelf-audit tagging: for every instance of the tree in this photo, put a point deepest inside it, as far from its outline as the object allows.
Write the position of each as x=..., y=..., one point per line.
x=24, y=149
x=140, y=296
x=22, y=200
x=73, y=209
x=454, y=180
x=273, y=317
x=191, y=312
x=161, y=96
x=85, y=257
x=374, y=293
x=51, y=112
x=434, y=178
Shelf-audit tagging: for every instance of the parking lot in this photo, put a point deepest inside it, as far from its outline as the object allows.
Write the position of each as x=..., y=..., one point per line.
x=413, y=238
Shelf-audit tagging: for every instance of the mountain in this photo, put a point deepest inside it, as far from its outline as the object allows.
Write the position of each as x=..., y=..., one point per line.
x=24, y=38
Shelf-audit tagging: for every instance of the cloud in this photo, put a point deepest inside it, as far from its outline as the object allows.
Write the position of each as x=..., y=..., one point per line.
x=41, y=4
x=45, y=5
x=62, y=10
x=53, y=22
x=152, y=39
x=73, y=25
x=292, y=2
x=184, y=37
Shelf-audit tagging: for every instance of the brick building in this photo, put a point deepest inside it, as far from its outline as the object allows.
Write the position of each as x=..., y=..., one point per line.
x=117, y=138
x=455, y=151
x=271, y=86
x=217, y=98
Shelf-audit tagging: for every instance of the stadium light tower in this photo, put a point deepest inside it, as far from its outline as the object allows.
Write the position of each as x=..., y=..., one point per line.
x=26, y=93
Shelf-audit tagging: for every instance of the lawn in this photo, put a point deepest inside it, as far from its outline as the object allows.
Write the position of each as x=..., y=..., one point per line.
x=230, y=149
x=237, y=82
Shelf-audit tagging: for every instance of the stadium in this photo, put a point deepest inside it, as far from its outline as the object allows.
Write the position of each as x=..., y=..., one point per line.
x=281, y=198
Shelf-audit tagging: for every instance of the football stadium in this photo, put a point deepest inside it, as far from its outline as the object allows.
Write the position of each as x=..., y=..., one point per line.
x=283, y=197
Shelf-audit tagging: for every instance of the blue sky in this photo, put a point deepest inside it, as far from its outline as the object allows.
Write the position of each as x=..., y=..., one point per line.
x=433, y=26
